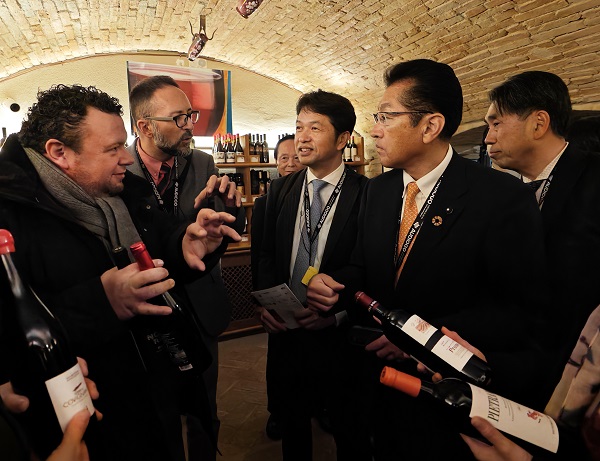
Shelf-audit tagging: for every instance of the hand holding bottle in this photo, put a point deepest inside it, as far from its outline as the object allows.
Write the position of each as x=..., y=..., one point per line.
x=436, y=377
x=72, y=447
x=128, y=290
x=222, y=187
x=501, y=448
x=205, y=235
x=322, y=292
x=385, y=349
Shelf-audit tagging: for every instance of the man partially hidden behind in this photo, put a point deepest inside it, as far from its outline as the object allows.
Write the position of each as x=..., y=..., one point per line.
x=66, y=197
x=179, y=179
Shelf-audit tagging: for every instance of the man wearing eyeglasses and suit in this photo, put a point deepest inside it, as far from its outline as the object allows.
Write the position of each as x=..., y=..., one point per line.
x=180, y=179
x=469, y=227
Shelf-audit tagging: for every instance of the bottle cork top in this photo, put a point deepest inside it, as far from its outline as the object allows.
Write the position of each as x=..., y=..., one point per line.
x=7, y=243
x=401, y=381
x=364, y=300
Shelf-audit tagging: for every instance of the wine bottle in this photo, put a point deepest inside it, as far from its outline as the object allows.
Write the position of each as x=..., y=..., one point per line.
x=259, y=148
x=427, y=344
x=220, y=155
x=532, y=430
x=239, y=151
x=178, y=333
x=347, y=155
x=230, y=152
x=265, y=149
x=354, y=151
x=48, y=372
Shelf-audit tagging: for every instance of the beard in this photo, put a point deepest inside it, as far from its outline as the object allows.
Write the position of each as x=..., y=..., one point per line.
x=172, y=149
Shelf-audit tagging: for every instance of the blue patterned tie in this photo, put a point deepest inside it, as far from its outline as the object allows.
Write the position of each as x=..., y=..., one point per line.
x=306, y=251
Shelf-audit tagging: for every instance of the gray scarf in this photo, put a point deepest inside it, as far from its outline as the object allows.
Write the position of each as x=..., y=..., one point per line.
x=106, y=217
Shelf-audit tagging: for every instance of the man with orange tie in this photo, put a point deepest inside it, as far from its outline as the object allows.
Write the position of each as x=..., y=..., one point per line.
x=434, y=234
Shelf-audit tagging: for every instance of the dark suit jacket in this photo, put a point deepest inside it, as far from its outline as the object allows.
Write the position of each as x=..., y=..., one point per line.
x=280, y=216
x=207, y=294
x=470, y=274
x=571, y=216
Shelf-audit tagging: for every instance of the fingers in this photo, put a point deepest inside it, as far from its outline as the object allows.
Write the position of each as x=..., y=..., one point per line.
x=14, y=402
x=92, y=388
x=231, y=233
x=456, y=337
x=76, y=427
x=83, y=365
x=269, y=322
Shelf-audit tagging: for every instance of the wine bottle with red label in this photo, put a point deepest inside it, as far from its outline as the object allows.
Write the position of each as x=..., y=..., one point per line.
x=178, y=334
x=459, y=401
x=427, y=344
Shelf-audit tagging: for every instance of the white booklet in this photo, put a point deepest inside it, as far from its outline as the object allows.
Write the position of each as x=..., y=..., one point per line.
x=281, y=304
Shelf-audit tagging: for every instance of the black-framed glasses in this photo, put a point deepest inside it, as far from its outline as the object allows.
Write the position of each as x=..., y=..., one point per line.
x=180, y=120
x=382, y=117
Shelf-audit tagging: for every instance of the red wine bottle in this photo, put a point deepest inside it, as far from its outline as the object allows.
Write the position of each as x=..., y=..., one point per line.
x=427, y=344
x=47, y=371
x=460, y=401
x=178, y=334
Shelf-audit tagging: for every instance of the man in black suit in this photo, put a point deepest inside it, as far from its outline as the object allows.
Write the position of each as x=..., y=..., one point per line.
x=528, y=118
x=164, y=142
x=464, y=268
x=299, y=237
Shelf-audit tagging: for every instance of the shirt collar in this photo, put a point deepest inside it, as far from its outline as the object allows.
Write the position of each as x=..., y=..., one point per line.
x=546, y=171
x=427, y=182
x=152, y=165
x=332, y=178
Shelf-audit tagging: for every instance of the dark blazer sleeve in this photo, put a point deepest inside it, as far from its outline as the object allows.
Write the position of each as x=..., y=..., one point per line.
x=256, y=238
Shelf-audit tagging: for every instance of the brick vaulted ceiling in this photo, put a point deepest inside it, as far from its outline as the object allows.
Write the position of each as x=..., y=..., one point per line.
x=341, y=46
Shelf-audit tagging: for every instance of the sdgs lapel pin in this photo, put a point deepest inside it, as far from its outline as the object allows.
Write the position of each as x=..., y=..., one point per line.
x=437, y=220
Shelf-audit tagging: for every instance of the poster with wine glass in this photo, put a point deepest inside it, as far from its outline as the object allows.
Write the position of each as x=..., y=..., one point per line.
x=209, y=91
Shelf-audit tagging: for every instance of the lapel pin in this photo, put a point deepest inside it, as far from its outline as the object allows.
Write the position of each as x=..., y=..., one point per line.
x=449, y=210
x=436, y=221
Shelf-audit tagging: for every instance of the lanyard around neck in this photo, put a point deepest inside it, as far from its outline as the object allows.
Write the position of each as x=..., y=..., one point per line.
x=312, y=235
x=159, y=199
x=414, y=228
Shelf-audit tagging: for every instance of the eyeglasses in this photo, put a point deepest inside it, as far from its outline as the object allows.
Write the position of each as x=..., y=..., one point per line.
x=382, y=117
x=180, y=120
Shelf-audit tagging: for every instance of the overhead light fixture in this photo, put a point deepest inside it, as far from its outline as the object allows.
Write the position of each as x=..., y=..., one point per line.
x=247, y=7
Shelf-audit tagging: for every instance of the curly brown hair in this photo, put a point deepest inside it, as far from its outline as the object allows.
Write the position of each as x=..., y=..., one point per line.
x=59, y=113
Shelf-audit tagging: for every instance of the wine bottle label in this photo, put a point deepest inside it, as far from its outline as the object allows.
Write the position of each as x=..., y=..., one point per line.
x=220, y=157
x=515, y=419
x=447, y=349
x=69, y=395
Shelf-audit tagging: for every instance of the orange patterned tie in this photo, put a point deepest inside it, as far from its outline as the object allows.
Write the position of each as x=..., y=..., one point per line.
x=408, y=218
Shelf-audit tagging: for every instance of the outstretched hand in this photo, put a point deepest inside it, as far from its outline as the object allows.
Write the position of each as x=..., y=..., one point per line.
x=205, y=235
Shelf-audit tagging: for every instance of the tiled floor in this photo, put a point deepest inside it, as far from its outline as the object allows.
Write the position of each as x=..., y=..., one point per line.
x=242, y=405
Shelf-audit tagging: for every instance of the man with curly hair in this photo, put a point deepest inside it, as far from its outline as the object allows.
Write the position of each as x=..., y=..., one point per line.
x=68, y=200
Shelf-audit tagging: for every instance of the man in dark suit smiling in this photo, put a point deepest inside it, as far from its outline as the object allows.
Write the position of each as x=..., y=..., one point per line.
x=310, y=225
x=433, y=234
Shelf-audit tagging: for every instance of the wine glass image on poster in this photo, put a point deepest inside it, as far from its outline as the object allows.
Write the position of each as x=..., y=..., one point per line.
x=207, y=89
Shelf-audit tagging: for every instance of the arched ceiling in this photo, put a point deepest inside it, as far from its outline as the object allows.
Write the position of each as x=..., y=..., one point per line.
x=341, y=46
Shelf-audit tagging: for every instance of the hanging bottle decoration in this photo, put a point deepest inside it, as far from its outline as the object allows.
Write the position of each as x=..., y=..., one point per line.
x=199, y=40
x=247, y=7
